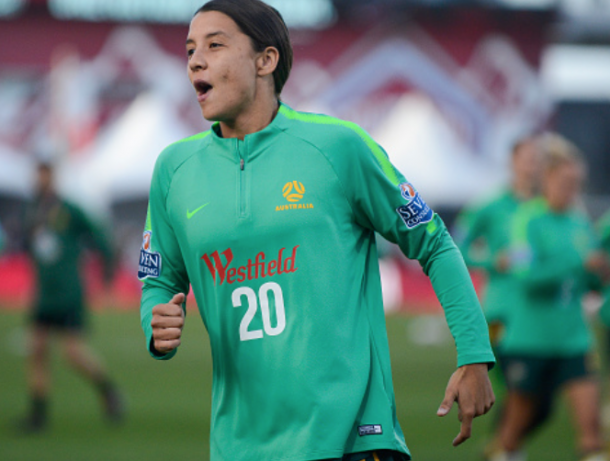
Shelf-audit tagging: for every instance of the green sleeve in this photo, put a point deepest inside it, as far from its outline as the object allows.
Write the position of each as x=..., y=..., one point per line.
x=604, y=312
x=99, y=237
x=539, y=272
x=383, y=201
x=471, y=226
x=160, y=242
x=603, y=227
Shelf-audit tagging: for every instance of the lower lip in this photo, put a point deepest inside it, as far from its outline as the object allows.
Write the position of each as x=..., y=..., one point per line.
x=201, y=97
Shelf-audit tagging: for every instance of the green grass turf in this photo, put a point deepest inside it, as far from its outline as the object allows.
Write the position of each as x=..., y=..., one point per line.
x=169, y=402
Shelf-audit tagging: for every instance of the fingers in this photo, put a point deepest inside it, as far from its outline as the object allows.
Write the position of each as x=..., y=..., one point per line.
x=465, y=428
x=447, y=402
x=178, y=299
x=489, y=403
x=166, y=339
x=166, y=346
x=167, y=323
x=171, y=309
x=469, y=386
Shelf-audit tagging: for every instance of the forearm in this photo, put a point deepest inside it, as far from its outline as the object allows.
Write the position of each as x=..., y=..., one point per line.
x=550, y=273
x=454, y=289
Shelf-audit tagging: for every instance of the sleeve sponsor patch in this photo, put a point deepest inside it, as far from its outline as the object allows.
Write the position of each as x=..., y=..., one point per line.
x=150, y=261
x=415, y=211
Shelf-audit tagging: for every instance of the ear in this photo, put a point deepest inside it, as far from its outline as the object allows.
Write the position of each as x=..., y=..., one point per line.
x=267, y=61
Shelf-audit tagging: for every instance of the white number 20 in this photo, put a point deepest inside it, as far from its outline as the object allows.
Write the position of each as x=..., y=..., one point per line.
x=263, y=294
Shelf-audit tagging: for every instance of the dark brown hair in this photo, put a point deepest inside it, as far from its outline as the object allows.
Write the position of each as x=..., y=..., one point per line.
x=265, y=27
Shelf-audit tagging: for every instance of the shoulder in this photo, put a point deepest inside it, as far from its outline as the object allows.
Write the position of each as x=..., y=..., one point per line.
x=337, y=139
x=326, y=132
x=487, y=206
x=177, y=153
x=581, y=217
x=311, y=124
x=70, y=206
x=532, y=209
x=603, y=225
x=528, y=214
x=71, y=211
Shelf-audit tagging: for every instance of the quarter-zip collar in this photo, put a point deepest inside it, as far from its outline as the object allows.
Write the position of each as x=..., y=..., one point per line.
x=253, y=143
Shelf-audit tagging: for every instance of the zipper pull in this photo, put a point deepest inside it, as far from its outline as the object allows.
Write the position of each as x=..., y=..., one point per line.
x=241, y=164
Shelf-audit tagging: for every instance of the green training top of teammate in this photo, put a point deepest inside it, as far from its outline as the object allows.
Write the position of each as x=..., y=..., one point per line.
x=603, y=228
x=275, y=234
x=490, y=222
x=548, y=255
x=56, y=232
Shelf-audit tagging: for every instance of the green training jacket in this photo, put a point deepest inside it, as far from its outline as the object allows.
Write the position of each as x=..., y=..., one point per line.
x=275, y=234
x=56, y=233
x=603, y=229
x=482, y=234
x=549, y=251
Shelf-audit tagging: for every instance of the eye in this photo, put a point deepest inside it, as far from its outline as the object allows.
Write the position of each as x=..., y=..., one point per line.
x=215, y=45
x=190, y=52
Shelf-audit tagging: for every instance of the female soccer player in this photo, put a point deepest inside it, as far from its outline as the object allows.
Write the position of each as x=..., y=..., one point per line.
x=56, y=233
x=271, y=215
x=483, y=237
x=548, y=344
x=486, y=226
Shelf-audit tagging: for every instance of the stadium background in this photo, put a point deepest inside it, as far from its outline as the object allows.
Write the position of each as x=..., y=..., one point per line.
x=445, y=86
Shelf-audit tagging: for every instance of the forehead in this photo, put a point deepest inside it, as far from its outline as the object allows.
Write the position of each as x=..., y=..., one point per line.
x=528, y=149
x=572, y=170
x=213, y=22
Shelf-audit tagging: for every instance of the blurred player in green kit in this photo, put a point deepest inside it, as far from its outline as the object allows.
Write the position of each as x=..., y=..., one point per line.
x=603, y=228
x=56, y=233
x=483, y=235
x=271, y=216
x=548, y=344
x=483, y=231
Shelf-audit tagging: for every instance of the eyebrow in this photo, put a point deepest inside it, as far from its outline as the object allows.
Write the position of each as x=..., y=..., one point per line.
x=210, y=35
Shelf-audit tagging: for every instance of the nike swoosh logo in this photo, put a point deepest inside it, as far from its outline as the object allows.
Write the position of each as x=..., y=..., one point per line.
x=190, y=214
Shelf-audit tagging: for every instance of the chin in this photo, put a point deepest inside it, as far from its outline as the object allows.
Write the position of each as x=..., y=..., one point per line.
x=225, y=114
x=209, y=114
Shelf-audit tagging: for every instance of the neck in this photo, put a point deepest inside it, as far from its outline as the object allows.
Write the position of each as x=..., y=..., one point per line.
x=252, y=120
x=555, y=206
x=522, y=189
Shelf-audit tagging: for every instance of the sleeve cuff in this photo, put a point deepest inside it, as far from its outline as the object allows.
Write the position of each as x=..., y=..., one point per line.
x=470, y=359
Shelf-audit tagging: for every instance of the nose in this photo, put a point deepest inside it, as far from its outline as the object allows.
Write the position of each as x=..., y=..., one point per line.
x=197, y=61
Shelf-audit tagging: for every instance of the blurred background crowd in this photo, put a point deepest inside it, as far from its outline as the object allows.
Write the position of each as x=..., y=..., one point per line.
x=98, y=88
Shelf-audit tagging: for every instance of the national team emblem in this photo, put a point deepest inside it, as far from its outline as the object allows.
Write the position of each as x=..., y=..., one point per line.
x=150, y=261
x=293, y=191
x=416, y=211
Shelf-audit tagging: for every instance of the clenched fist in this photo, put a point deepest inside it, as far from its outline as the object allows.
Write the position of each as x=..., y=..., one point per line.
x=167, y=322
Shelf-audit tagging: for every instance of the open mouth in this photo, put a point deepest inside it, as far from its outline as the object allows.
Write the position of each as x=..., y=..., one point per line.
x=202, y=87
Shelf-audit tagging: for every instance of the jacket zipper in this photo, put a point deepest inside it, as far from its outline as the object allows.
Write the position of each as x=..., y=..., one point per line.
x=242, y=184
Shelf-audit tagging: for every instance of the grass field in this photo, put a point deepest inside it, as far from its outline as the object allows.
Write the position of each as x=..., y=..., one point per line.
x=169, y=402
